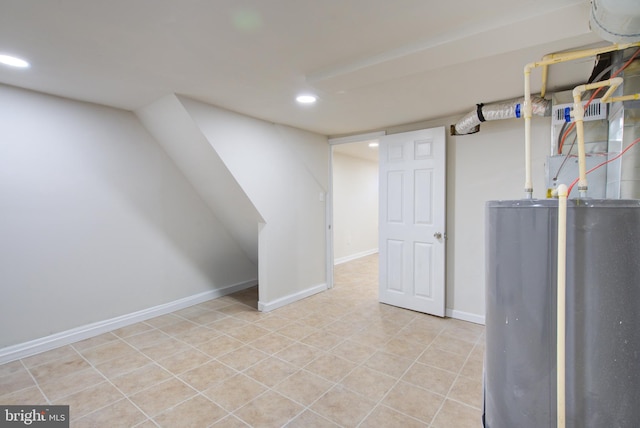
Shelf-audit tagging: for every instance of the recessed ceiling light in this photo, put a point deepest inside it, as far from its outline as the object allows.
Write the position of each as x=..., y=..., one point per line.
x=373, y=145
x=13, y=61
x=306, y=99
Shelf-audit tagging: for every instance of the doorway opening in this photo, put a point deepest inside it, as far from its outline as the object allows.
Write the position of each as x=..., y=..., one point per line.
x=354, y=200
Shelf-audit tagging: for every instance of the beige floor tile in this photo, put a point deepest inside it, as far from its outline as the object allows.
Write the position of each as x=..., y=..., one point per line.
x=15, y=382
x=178, y=327
x=453, y=345
x=383, y=416
x=163, y=320
x=108, y=351
x=390, y=364
x=121, y=414
x=235, y=308
x=413, y=401
x=59, y=368
x=269, y=410
x=304, y=387
x=322, y=340
x=29, y=395
x=243, y=357
x=404, y=348
x=344, y=328
x=271, y=371
x=272, y=343
x=64, y=352
x=330, y=348
x=140, y=379
x=220, y=346
x=207, y=375
x=207, y=317
x=457, y=415
x=369, y=383
x=431, y=378
x=330, y=367
x=196, y=412
x=296, y=330
x=230, y=422
x=343, y=406
x=164, y=348
x=162, y=396
x=235, y=392
x=125, y=364
x=465, y=333
x=70, y=384
x=251, y=315
x=227, y=324
x=309, y=419
x=318, y=320
x=146, y=339
x=91, y=399
x=298, y=354
x=414, y=334
x=468, y=391
x=133, y=329
x=473, y=368
x=272, y=323
x=146, y=424
x=11, y=368
x=197, y=336
x=371, y=337
x=92, y=342
x=442, y=359
x=184, y=361
x=353, y=351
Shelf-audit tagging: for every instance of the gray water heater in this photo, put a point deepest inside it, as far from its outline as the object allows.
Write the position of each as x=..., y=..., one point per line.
x=602, y=318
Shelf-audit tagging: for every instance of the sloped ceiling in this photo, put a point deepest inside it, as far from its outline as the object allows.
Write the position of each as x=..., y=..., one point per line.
x=373, y=63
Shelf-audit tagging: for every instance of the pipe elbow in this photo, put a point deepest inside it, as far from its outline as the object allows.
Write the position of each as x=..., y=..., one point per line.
x=578, y=90
x=562, y=191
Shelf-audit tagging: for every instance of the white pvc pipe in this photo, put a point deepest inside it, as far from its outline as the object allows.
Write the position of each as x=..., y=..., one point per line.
x=578, y=115
x=561, y=308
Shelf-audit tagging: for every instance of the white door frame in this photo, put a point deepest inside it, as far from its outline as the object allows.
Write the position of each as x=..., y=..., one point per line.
x=329, y=199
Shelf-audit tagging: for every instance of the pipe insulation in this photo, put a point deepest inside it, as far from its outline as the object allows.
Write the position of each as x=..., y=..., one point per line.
x=616, y=21
x=501, y=110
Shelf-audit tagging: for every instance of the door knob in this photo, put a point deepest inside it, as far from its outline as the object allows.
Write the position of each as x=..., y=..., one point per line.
x=437, y=235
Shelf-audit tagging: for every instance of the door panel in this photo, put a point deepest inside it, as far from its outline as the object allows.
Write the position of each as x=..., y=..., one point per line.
x=412, y=216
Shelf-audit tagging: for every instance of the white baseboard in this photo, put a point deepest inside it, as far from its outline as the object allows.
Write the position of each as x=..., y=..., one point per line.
x=465, y=316
x=354, y=256
x=21, y=350
x=278, y=303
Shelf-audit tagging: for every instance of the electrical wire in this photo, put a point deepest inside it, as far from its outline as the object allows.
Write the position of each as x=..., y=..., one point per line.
x=595, y=93
x=619, y=155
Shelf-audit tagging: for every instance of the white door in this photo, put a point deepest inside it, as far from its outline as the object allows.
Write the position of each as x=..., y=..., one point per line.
x=412, y=220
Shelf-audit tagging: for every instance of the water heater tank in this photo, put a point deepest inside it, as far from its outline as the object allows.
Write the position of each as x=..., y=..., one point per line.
x=603, y=314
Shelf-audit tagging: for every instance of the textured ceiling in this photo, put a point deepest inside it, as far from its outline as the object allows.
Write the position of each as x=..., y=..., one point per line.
x=372, y=63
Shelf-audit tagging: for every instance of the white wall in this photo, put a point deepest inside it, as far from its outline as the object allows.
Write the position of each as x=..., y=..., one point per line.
x=95, y=220
x=284, y=172
x=355, y=207
x=481, y=167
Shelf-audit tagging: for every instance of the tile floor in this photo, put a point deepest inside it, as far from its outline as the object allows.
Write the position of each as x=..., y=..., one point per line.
x=337, y=359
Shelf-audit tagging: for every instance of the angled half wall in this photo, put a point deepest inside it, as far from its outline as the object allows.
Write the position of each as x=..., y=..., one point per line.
x=172, y=126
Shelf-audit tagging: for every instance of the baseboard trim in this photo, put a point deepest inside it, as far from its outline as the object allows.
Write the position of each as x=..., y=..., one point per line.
x=465, y=316
x=355, y=256
x=278, y=303
x=47, y=343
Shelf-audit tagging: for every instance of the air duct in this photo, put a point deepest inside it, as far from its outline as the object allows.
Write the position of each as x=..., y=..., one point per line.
x=617, y=21
x=502, y=110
